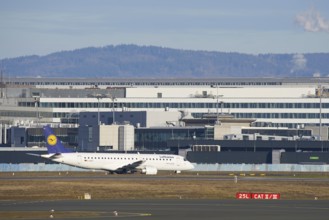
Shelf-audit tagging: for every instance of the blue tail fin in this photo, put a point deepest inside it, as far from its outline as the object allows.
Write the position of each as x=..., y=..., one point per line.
x=54, y=145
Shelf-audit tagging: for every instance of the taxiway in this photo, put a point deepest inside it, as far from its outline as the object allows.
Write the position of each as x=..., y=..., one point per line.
x=171, y=209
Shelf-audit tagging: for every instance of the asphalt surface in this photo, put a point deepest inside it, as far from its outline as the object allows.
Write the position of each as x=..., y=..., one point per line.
x=133, y=177
x=171, y=209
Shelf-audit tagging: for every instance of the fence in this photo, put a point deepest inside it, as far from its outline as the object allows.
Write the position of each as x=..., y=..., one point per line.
x=198, y=167
x=262, y=167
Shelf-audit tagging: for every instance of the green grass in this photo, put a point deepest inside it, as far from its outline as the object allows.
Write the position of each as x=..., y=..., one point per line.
x=153, y=188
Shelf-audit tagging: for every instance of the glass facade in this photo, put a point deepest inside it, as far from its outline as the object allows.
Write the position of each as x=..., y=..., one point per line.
x=68, y=136
x=152, y=139
x=187, y=105
x=143, y=82
x=255, y=110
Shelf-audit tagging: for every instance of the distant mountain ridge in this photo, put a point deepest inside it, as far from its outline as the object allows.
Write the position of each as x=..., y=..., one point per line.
x=134, y=61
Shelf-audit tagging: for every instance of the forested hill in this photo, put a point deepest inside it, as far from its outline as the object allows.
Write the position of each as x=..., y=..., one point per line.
x=157, y=62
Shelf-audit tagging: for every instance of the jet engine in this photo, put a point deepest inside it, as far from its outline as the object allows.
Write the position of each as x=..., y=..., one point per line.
x=150, y=171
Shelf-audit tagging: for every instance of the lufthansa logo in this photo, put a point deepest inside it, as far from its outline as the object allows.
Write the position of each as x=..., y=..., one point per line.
x=52, y=140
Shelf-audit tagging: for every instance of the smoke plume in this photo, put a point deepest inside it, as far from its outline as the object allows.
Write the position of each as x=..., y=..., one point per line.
x=312, y=21
x=299, y=62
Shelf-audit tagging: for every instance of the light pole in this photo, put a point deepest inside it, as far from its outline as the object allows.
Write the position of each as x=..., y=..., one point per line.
x=320, y=117
x=221, y=107
x=36, y=105
x=217, y=103
x=98, y=97
x=217, y=122
x=113, y=108
x=98, y=118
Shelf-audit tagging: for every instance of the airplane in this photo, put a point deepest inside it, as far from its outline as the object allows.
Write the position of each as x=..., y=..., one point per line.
x=119, y=163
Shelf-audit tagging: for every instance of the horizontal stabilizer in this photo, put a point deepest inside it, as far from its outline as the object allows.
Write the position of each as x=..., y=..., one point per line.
x=37, y=155
x=55, y=156
x=51, y=156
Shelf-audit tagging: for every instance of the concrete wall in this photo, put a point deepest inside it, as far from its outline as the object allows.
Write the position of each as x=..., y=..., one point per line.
x=228, y=128
x=5, y=167
x=171, y=92
x=247, y=157
x=126, y=137
x=109, y=136
x=17, y=137
x=261, y=167
x=162, y=118
x=316, y=132
x=198, y=167
x=305, y=157
x=230, y=157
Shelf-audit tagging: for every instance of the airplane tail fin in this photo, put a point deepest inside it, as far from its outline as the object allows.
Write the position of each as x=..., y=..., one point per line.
x=53, y=144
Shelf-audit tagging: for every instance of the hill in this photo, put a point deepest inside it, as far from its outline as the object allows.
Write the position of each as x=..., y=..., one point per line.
x=150, y=61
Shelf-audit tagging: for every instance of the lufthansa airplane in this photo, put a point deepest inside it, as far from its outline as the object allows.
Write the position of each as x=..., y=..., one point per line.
x=113, y=162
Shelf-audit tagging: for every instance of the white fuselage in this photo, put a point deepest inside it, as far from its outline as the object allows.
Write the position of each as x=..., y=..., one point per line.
x=114, y=161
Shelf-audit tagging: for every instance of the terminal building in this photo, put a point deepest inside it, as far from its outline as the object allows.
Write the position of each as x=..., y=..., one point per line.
x=236, y=116
x=281, y=102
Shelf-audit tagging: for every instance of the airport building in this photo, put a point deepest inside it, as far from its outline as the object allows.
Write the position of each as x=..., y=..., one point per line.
x=279, y=102
x=252, y=119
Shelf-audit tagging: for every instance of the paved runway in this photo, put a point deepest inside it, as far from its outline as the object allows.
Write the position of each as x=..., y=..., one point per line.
x=172, y=209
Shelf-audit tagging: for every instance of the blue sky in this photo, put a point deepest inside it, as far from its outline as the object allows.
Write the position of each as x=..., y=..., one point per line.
x=39, y=27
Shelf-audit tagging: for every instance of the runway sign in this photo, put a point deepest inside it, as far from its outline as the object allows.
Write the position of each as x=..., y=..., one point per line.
x=265, y=195
x=242, y=195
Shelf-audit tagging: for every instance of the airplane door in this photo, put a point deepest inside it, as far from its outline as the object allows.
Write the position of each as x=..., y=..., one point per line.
x=80, y=159
x=177, y=162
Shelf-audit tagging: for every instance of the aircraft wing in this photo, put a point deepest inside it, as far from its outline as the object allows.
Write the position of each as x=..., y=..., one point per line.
x=123, y=168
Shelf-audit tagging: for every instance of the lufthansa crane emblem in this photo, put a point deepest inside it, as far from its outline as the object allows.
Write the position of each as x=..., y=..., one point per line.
x=52, y=140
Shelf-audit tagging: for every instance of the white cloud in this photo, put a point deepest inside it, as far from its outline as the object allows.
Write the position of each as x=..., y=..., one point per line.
x=312, y=21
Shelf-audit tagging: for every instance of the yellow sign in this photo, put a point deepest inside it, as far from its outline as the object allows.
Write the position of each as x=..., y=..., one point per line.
x=52, y=140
